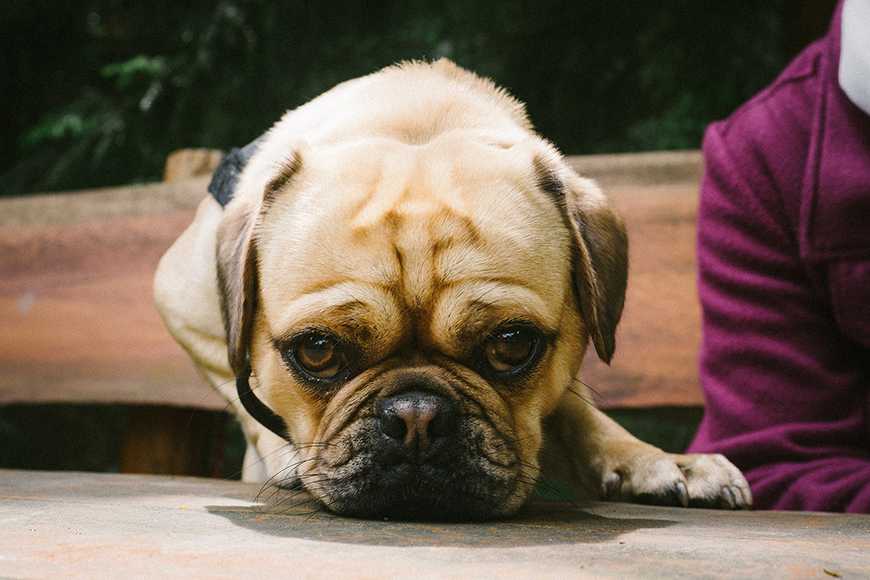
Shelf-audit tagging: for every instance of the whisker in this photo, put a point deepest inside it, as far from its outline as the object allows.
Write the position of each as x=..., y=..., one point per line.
x=588, y=386
x=581, y=397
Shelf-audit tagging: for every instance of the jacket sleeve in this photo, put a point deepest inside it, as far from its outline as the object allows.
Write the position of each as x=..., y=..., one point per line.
x=786, y=392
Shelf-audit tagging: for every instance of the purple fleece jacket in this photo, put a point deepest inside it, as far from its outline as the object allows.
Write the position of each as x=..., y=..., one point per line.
x=784, y=259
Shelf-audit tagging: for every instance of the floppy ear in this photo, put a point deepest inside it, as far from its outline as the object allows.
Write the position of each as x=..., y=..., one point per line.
x=237, y=264
x=600, y=252
x=237, y=280
x=238, y=286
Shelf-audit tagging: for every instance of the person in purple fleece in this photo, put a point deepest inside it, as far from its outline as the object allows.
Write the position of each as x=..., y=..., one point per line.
x=784, y=258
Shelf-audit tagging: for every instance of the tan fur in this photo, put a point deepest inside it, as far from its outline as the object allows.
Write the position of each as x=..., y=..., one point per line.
x=410, y=211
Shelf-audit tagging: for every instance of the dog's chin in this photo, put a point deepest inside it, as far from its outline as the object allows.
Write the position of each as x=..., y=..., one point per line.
x=418, y=493
x=453, y=481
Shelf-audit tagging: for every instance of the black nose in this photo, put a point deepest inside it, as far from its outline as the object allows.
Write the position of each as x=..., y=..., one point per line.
x=416, y=419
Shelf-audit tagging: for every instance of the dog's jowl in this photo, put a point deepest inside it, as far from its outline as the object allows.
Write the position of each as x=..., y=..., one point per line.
x=401, y=279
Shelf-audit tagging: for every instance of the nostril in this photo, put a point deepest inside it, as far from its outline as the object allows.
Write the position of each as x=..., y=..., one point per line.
x=393, y=426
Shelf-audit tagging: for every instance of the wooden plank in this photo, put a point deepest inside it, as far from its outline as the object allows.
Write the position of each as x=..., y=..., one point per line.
x=95, y=205
x=189, y=163
x=79, y=324
x=173, y=441
x=651, y=168
x=78, y=317
x=167, y=440
x=75, y=525
x=75, y=294
x=656, y=361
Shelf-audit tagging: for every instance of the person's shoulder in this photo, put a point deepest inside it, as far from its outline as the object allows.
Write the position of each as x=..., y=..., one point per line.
x=786, y=105
x=765, y=143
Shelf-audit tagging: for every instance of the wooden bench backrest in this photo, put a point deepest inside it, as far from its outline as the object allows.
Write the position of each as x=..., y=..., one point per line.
x=78, y=324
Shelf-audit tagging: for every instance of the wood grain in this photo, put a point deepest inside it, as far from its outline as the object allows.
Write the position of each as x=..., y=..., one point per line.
x=78, y=320
x=172, y=441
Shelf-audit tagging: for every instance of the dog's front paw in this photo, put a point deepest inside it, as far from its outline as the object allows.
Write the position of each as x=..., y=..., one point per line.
x=695, y=480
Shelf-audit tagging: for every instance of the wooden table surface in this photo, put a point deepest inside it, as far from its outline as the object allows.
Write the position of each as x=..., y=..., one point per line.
x=66, y=524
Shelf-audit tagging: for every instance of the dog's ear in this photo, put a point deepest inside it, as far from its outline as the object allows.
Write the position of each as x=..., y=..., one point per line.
x=237, y=279
x=600, y=251
x=237, y=263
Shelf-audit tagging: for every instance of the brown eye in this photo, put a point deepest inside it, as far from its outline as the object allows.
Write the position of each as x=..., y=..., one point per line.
x=512, y=349
x=319, y=356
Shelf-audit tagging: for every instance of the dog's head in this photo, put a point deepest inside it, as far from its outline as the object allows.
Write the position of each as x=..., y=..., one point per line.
x=413, y=312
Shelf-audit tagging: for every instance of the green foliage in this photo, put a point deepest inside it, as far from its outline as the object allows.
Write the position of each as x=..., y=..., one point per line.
x=101, y=91
x=139, y=67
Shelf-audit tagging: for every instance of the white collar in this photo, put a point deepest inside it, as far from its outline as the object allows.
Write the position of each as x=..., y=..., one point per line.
x=854, y=74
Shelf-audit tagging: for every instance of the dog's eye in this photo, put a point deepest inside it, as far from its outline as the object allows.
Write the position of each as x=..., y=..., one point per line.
x=512, y=349
x=319, y=356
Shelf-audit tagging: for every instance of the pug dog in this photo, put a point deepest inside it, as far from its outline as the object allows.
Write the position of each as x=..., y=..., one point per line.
x=395, y=286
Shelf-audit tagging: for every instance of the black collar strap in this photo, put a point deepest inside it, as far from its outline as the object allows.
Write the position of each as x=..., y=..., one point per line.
x=257, y=409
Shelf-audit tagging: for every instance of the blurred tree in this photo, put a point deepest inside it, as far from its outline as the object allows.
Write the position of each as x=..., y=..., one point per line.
x=99, y=91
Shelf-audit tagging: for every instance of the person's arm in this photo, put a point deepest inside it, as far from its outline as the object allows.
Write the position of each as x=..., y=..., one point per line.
x=786, y=392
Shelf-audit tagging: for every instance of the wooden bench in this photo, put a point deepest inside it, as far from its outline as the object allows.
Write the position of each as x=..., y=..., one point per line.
x=79, y=325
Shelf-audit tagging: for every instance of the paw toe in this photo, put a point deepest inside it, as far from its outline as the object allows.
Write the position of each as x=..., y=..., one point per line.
x=705, y=481
x=675, y=495
x=715, y=483
x=611, y=486
x=655, y=482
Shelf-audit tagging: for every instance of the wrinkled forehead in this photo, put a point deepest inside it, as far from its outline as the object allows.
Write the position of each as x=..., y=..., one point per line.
x=413, y=228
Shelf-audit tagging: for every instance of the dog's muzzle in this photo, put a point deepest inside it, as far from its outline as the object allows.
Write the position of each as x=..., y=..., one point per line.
x=416, y=453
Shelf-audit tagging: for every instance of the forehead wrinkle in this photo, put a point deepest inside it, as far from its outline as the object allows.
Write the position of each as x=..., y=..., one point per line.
x=382, y=194
x=324, y=285
x=418, y=243
x=458, y=306
x=338, y=316
x=334, y=302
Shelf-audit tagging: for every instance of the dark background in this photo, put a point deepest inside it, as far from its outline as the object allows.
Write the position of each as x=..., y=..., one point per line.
x=98, y=92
